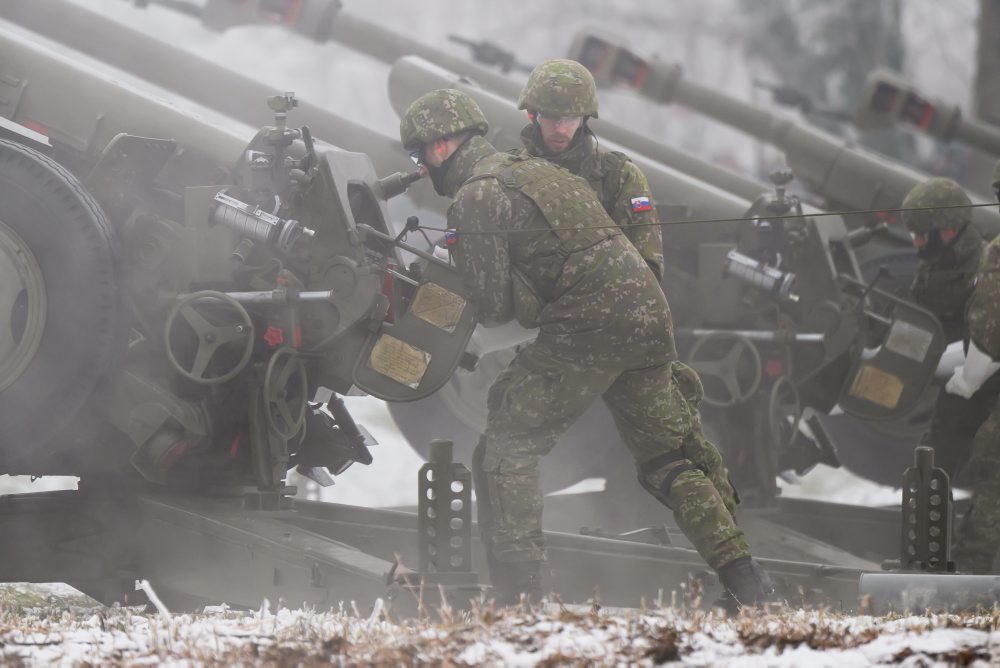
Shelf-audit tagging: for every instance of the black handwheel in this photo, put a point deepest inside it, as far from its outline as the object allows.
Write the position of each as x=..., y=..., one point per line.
x=63, y=322
x=286, y=393
x=210, y=337
x=730, y=368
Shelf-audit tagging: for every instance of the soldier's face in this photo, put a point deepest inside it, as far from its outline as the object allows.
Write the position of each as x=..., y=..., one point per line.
x=557, y=131
x=434, y=153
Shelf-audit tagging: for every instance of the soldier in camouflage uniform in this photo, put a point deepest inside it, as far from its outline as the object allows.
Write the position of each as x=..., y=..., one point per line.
x=949, y=249
x=560, y=96
x=979, y=534
x=534, y=243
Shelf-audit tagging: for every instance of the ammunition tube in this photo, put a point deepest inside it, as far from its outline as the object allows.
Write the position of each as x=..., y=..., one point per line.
x=256, y=224
x=767, y=279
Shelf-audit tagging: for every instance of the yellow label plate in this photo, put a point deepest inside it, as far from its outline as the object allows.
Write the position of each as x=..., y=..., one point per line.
x=399, y=360
x=877, y=386
x=438, y=306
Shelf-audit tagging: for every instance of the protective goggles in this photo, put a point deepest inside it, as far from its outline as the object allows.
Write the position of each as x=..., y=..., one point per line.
x=564, y=121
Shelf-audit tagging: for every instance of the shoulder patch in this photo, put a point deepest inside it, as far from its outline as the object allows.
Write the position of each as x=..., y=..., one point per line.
x=641, y=203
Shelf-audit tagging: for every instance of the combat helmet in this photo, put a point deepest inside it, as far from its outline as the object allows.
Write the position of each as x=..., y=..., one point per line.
x=438, y=114
x=936, y=192
x=560, y=87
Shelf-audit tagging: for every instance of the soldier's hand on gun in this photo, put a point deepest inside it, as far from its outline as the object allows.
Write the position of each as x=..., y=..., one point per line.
x=969, y=377
x=957, y=384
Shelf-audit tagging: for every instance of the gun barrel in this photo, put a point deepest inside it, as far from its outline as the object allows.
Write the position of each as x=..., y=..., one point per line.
x=389, y=47
x=847, y=176
x=978, y=134
x=105, y=102
x=190, y=76
x=890, y=99
x=412, y=76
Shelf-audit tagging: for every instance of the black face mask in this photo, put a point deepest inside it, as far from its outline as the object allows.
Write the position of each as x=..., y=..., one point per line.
x=935, y=250
x=437, y=174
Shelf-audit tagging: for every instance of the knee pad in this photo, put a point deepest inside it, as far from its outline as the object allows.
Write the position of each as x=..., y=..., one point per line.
x=674, y=463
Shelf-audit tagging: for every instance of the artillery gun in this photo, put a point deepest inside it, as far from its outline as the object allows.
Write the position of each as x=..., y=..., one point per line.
x=459, y=407
x=315, y=570
x=205, y=286
x=220, y=290
x=226, y=92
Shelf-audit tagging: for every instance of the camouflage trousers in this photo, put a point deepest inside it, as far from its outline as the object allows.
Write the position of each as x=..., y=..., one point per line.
x=979, y=533
x=547, y=387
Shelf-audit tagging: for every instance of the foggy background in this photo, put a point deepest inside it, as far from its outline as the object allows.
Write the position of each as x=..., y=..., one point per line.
x=726, y=44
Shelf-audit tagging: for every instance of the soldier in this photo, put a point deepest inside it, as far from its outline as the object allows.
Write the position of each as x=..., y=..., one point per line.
x=949, y=248
x=535, y=244
x=560, y=96
x=979, y=534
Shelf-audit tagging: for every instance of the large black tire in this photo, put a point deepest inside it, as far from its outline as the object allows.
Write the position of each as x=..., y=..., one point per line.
x=73, y=247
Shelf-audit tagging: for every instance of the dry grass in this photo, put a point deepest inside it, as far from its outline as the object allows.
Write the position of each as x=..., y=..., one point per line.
x=39, y=629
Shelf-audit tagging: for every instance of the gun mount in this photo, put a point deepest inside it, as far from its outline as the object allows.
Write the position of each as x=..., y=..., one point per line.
x=229, y=292
x=889, y=99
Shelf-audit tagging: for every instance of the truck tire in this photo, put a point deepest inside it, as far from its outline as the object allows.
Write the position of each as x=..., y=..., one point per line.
x=62, y=319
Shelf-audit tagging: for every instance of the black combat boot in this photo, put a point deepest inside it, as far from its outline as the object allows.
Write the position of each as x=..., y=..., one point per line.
x=746, y=583
x=513, y=578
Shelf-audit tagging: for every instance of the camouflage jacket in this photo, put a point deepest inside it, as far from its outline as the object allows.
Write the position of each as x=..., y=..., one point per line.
x=617, y=181
x=600, y=299
x=945, y=289
x=983, y=315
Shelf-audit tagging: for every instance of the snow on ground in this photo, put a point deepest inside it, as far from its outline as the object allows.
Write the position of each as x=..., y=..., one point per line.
x=55, y=626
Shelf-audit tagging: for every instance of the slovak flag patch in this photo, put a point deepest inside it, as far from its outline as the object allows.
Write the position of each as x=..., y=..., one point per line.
x=641, y=204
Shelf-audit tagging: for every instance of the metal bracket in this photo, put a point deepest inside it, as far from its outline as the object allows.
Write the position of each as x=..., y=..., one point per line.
x=927, y=516
x=444, y=519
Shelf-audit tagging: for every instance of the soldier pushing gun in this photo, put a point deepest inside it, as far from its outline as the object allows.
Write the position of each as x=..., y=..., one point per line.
x=535, y=243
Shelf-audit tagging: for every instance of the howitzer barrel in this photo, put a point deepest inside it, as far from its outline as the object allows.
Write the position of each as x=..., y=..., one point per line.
x=189, y=76
x=412, y=76
x=92, y=33
x=389, y=47
x=847, y=176
x=326, y=20
x=105, y=102
x=890, y=99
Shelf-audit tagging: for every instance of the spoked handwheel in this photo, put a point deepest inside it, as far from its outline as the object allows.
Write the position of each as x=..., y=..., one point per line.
x=784, y=412
x=235, y=333
x=286, y=395
x=729, y=366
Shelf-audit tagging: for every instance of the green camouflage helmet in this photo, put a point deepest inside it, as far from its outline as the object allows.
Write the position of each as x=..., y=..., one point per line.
x=936, y=192
x=560, y=87
x=438, y=114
